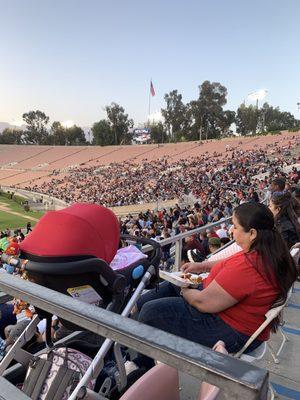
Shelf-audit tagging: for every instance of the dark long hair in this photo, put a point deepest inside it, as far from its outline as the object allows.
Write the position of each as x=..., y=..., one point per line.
x=278, y=266
x=289, y=208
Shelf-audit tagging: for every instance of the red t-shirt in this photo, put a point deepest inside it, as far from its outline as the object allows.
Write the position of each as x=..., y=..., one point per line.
x=214, y=234
x=238, y=275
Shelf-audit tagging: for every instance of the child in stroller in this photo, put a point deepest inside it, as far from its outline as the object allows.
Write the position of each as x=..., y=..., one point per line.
x=69, y=251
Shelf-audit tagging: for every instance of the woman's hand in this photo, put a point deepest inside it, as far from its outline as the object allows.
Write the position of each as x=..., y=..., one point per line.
x=204, y=266
x=183, y=291
x=191, y=267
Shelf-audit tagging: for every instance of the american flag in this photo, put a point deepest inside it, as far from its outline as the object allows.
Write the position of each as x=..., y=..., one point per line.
x=152, y=91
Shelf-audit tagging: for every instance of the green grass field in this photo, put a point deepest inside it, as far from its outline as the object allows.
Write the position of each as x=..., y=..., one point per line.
x=8, y=220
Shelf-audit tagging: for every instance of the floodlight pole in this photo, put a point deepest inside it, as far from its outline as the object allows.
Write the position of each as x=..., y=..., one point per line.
x=257, y=121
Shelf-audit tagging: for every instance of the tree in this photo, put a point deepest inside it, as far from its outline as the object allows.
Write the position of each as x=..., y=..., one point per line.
x=273, y=119
x=75, y=136
x=158, y=133
x=207, y=112
x=119, y=124
x=175, y=113
x=268, y=118
x=102, y=133
x=11, y=136
x=36, y=131
x=58, y=134
x=288, y=121
x=226, y=121
x=247, y=119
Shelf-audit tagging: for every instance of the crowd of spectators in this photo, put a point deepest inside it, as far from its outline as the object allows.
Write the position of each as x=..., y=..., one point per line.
x=218, y=184
x=208, y=177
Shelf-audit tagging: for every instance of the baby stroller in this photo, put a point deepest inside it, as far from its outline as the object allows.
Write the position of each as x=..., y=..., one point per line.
x=69, y=251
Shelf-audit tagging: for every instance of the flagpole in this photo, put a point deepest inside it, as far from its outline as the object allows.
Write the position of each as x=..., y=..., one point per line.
x=149, y=100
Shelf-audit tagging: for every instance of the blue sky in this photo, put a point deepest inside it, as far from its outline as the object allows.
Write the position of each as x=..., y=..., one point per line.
x=70, y=58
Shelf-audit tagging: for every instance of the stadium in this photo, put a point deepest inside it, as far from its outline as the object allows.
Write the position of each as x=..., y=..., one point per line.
x=178, y=196
x=149, y=200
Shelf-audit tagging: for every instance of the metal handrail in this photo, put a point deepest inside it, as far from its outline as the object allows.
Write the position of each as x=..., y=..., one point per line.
x=178, y=239
x=203, y=228
x=237, y=378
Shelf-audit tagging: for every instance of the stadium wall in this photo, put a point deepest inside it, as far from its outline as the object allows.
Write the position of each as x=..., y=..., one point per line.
x=37, y=200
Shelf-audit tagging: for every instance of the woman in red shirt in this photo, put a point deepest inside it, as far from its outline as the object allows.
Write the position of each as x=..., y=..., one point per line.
x=237, y=293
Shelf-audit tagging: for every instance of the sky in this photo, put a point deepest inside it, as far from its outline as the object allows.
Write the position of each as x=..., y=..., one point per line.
x=71, y=58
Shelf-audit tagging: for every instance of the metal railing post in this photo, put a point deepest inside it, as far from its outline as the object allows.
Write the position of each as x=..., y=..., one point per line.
x=178, y=253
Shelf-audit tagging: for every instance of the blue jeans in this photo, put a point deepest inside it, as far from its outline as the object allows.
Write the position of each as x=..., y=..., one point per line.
x=7, y=317
x=166, y=310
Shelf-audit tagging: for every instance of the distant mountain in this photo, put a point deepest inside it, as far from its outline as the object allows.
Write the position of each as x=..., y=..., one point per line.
x=4, y=125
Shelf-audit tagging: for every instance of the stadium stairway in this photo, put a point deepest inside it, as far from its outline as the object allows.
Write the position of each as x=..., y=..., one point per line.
x=30, y=157
x=66, y=156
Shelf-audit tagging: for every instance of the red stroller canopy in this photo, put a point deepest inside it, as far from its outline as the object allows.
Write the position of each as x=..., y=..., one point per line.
x=82, y=229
